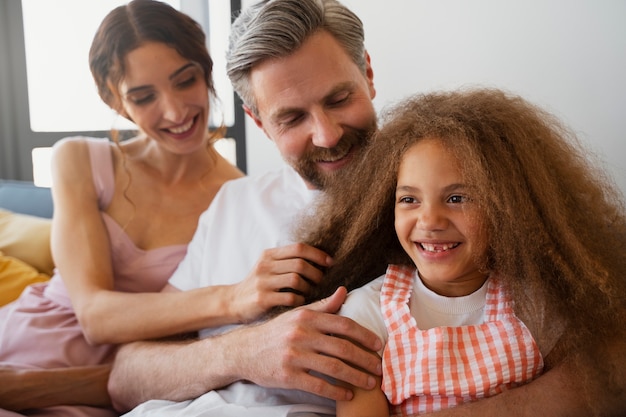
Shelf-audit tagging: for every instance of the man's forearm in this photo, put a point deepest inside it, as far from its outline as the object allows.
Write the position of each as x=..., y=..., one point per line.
x=548, y=395
x=560, y=392
x=288, y=351
x=22, y=389
x=172, y=370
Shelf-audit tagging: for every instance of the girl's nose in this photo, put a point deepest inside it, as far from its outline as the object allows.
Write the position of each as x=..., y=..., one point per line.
x=431, y=217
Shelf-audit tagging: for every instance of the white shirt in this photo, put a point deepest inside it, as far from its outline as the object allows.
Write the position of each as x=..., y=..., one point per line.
x=427, y=307
x=247, y=216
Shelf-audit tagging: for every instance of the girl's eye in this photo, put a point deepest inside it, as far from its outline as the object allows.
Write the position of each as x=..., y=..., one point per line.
x=406, y=200
x=457, y=199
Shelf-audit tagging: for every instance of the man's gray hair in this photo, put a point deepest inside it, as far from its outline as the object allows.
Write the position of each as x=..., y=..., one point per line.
x=277, y=28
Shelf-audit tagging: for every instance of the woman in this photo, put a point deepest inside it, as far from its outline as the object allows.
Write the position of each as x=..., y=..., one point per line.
x=125, y=210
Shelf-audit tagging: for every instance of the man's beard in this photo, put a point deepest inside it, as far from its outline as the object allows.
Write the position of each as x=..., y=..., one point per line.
x=353, y=141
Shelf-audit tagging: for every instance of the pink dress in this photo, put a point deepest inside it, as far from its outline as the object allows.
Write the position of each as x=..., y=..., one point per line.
x=40, y=329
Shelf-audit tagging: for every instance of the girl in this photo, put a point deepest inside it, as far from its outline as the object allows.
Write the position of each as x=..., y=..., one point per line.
x=507, y=257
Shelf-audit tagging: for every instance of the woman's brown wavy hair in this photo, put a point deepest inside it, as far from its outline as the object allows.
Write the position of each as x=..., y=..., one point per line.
x=132, y=25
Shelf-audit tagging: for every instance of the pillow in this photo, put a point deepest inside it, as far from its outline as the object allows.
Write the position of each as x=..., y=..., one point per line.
x=15, y=275
x=26, y=238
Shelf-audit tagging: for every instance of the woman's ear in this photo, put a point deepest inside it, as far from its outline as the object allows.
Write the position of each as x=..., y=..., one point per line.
x=116, y=103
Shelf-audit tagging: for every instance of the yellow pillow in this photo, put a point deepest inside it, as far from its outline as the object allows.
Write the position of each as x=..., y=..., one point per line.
x=26, y=238
x=15, y=275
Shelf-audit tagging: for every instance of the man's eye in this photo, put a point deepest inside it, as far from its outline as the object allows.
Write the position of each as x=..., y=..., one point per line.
x=339, y=99
x=291, y=120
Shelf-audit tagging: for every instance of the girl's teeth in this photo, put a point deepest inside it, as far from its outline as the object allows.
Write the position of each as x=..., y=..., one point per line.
x=429, y=247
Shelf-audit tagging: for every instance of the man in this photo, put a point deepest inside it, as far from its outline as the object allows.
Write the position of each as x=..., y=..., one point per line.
x=306, y=80
x=319, y=130
x=312, y=95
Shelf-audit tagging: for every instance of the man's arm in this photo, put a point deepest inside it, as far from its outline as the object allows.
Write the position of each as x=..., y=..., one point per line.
x=278, y=353
x=560, y=392
x=39, y=388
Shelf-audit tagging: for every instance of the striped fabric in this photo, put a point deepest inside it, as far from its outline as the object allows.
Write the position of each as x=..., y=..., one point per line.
x=430, y=370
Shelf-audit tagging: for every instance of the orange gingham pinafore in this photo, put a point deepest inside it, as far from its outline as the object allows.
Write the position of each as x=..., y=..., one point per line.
x=429, y=370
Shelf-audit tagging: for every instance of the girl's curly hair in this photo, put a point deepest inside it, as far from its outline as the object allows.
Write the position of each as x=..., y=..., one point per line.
x=555, y=221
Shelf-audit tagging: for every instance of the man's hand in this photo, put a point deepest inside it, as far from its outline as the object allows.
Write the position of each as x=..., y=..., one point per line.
x=281, y=277
x=289, y=350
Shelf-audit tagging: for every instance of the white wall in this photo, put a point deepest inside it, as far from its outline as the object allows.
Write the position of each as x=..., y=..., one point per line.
x=568, y=56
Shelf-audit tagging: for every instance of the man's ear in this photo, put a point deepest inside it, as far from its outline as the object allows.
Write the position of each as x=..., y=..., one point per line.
x=257, y=120
x=369, y=75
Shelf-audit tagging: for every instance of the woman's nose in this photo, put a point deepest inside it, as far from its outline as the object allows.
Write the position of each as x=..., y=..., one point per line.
x=173, y=108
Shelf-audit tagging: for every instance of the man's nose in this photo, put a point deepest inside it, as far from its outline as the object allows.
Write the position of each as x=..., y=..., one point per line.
x=327, y=131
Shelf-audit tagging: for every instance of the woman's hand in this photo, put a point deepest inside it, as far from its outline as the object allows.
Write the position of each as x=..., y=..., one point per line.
x=281, y=277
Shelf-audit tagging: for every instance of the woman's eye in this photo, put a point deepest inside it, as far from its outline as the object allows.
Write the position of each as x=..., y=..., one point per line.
x=187, y=82
x=188, y=78
x=139, y=100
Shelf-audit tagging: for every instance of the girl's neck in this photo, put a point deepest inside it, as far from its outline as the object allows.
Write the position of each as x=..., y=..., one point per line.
x=457, y=288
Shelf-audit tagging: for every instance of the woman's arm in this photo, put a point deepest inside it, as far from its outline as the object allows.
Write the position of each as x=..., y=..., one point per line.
x=39, y=388
x=81, y=250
